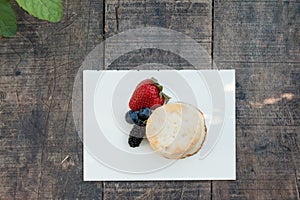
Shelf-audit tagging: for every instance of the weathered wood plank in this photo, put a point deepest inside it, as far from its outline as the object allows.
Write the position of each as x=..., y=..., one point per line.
x=192, y=19
x=261, y=41
x=157, y=190
x=267, y=153
x=189, y=17
x=257, y=31
x=267, y=93
x=37, y=132
x=255, y=189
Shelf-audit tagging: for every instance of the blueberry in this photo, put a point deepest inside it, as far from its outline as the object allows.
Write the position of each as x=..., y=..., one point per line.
x=144, y=114
x=128, y=118
x=132, y=117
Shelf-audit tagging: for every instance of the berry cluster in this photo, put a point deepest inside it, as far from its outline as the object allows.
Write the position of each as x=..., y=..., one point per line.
x=147, y=94
x=139, y=119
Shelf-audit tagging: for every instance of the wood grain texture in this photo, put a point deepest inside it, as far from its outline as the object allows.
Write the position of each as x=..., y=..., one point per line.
x=36, y=127
x=192, y=19
x=157, y=190
x=261, y=41
x=267, y=94
x=257, y=31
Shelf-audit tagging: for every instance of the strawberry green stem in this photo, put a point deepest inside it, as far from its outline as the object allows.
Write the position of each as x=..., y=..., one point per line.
x=160, y=87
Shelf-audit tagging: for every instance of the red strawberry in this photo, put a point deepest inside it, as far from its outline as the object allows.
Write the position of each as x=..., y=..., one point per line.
x=147, y=94
x=147, y=81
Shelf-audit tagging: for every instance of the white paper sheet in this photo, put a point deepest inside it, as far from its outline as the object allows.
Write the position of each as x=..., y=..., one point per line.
x=107, y=155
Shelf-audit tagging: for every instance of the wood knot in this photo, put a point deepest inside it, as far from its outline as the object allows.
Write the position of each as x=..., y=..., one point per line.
x=2, y=95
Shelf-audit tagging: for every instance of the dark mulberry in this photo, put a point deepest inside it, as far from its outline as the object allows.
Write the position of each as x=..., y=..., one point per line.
x=136, y=136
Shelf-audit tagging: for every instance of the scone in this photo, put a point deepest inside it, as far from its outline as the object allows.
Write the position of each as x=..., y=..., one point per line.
x=176, y=130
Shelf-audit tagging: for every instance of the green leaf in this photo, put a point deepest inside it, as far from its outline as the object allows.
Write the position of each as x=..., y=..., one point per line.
x=50, y=10
x=8, y=21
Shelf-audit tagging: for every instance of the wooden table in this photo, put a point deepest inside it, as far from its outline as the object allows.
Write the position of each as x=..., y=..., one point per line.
x=260, y=39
